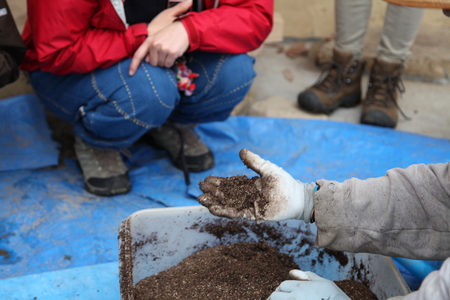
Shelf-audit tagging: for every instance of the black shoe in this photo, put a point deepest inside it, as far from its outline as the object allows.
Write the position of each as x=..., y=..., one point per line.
x=183, y=143
x=104, y=172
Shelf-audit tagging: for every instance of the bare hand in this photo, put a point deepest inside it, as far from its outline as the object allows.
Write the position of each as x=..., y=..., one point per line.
x=167, y=39
x=168, y=16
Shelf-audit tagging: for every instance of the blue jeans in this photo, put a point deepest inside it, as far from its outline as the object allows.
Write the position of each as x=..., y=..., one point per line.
x=110, y=109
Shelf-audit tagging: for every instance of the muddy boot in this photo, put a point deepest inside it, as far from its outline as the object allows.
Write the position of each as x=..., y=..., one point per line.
x=104, y=172
x=186, y=150
x=380, y=106
x=341, y=87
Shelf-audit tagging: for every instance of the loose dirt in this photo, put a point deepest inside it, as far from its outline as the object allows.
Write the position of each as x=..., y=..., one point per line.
x=236, y=271
x=240, y=193
x=356, y=290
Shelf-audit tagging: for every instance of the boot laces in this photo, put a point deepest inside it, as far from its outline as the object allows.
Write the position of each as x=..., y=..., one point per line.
x=385, y=87
x=331, y=78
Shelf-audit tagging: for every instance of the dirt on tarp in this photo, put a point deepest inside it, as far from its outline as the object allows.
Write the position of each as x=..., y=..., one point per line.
x=246, y=270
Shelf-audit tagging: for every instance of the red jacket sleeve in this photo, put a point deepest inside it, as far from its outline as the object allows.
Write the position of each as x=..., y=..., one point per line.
x=236, y=26
x=64, y=39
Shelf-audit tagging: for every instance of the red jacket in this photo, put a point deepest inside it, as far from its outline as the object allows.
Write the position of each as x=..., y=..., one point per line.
x=64, y=36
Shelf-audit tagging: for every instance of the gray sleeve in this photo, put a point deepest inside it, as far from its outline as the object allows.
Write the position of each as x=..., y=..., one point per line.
x=405, y=213
x=435, y=286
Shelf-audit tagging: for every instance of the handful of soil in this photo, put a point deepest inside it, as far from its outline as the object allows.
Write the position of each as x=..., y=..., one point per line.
x=241, y=193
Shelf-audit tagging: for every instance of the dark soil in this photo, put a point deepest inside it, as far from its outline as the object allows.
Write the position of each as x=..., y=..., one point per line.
x=356, y=290
x=235, y=271
x=240, y=193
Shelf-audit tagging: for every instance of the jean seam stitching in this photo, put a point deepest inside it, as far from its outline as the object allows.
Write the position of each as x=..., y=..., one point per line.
x=210, y=82
x=117, y=107
x=127, y=89
x=226, y=95
x=171, y=78
x=154, y=89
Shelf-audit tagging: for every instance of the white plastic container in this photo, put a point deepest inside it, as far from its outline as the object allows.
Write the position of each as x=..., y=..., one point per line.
x=153, y=240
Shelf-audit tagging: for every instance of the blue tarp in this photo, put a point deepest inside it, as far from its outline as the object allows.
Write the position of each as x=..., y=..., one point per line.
x=24, y=135
x=49, y=223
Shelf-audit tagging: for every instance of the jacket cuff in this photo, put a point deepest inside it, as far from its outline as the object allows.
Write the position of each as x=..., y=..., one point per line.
x=140, y=34
x=194, y=38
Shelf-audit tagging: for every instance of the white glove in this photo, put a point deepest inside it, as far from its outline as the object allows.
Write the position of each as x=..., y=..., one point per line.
x=307, y=285
x=282, y=197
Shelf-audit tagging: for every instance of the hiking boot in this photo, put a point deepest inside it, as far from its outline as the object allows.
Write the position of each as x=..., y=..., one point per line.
x=380, y=106
x=340, y=87
x=104, y=172
x=186, y=150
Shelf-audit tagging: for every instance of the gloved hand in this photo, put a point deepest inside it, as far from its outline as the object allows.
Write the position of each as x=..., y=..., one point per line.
x=307, y=285
x=282, y=197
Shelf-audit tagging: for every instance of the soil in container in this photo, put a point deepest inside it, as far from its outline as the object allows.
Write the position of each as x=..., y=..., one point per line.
x=245, y=270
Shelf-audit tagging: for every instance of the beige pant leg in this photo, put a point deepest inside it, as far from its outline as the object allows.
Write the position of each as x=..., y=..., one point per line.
x=401, y=25
x=352, y=20
x=400, y=28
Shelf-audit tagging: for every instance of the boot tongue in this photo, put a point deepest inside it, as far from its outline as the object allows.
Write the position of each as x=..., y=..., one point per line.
x=342, y=58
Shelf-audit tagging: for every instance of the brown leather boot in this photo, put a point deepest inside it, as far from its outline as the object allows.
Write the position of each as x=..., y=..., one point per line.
x=380, y=106
x=340, y=87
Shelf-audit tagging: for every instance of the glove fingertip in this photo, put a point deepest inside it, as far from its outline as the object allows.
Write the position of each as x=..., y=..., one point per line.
x=204, y=200
x=299, y=275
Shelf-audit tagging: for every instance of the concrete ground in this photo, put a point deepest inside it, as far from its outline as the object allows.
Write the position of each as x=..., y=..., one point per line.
x=280, y=78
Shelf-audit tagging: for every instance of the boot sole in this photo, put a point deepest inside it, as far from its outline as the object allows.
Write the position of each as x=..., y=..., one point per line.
x=313, y=104
x=109, y=186
x=377, y=118
x=196, y=163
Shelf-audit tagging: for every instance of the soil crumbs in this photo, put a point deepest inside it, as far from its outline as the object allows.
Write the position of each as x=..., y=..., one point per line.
x=235, y=271
x=356, y=290
x=238, y=271
x=241, y=192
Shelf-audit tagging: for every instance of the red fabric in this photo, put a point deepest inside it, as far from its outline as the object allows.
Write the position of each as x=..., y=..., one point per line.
x=236, y=26
x=66, y=36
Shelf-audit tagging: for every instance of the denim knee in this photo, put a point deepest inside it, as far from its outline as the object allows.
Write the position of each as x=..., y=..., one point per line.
x=109, y=108
x=130, y=107
x=223, y=82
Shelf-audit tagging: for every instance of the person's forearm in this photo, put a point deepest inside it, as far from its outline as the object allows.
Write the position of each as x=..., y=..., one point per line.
x=69, y=38
x=404, y=213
